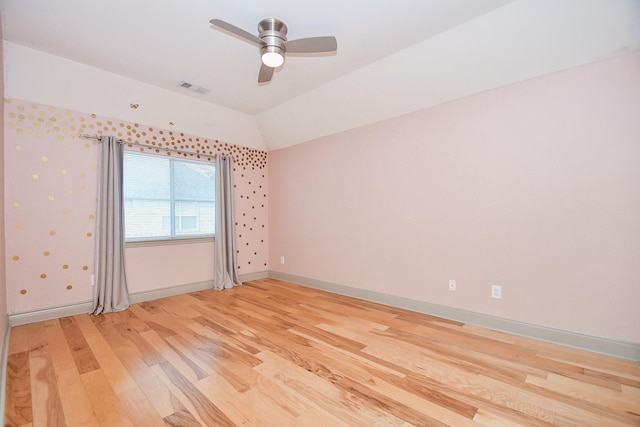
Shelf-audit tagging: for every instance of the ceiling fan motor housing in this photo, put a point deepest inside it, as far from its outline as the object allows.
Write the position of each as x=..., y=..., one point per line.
x=273, y=44
x=273, y=32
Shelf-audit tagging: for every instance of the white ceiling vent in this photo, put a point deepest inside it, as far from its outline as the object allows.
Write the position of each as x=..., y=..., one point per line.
x=194, y=88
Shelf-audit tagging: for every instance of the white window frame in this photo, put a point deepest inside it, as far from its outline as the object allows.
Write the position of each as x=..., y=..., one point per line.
x=173, y=239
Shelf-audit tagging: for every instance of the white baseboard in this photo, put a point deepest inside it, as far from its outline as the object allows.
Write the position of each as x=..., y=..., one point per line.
x=32, y=316
x=40, y=315
x=170, y=291
x=621, y=349
x=254, y=276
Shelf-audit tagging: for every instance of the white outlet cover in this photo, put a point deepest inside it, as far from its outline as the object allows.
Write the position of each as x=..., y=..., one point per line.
x=452, y=285
x=496, y=291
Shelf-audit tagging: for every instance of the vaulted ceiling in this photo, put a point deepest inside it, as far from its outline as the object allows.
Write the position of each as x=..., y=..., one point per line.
x=392, y=58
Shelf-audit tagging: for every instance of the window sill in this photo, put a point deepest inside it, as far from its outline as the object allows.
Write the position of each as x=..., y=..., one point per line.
x=187, y=241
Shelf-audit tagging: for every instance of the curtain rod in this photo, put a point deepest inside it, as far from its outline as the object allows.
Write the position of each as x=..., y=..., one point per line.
x=171, y=150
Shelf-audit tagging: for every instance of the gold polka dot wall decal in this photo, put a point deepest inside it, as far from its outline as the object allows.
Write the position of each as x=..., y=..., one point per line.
x=16, y=258
x=43, y=276
x=67, y=210
x=69, y=287
x=92, y=217
x=46, y=253
x=23, y=291
x=19, y=225
x=52, y=198
x=84, y=267
x=63, y=171
x=18, y=147
x=52, y=232
x=65, y=267
x=89, y=234
x=69, y=192
x=35, y=176
x=16, y=204
x=45, y=159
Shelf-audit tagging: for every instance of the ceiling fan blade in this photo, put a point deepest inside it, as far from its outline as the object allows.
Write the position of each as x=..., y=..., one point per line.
x=237, y=31
x=312, y=45
x=265, y=74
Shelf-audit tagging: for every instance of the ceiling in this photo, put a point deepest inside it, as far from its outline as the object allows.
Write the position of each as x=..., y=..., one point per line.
x=165, y=42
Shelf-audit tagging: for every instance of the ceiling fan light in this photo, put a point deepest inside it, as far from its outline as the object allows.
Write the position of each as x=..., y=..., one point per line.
x=272, y=59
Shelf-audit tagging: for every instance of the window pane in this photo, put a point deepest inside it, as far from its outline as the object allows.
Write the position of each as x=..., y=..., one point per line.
x=195, y=218
x=158, y=189
x=146, y=177
x=188, y=223
x=194, y=181
x=144, y=218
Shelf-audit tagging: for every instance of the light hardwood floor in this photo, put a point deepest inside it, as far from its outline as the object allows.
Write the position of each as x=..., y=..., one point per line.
x=270, y=353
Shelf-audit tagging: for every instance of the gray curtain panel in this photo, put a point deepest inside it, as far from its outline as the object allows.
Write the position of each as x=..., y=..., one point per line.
x=225, y=264
x=110, y=293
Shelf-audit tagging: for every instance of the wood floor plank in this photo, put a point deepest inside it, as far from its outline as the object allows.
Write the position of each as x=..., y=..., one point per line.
x=569, y=411
x=154, y=389
x=74, y=399
x=19, y=340
x=187, y=368
x=139, y=409
x=270, y=353
x=323, y=395
x=149, y=354
x=19, y=406
x=314, y=418
x=106, y=405
x=592, y=396
x=108, y=361
x=226, y=397
x=61, y=356
x=203, y=408
x=47, y=407
x=182, y=418
x=80, y=351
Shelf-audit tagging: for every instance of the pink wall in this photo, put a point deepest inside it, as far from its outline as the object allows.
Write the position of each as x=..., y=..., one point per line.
x=534, y=186
x=50, y=196
x=3, y=277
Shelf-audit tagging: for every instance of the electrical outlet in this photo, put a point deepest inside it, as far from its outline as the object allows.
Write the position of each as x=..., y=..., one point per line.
x=496, y=291
x=93, y=280
x=282, y=259
x=452, y=285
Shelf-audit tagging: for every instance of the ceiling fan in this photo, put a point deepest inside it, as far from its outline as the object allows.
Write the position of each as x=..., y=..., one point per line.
x=272, y=40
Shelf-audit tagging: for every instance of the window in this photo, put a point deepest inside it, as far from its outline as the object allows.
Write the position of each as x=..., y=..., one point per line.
x=167, y=198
